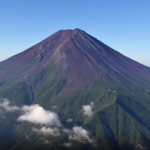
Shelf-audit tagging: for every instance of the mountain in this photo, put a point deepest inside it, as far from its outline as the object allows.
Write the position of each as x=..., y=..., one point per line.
x=101, y=93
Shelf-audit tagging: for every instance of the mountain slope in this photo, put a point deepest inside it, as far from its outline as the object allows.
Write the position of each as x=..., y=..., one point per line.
x=80, y=58
x=65, y=72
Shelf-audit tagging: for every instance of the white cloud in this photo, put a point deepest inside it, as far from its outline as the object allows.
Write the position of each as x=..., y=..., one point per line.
x=47, y=131
x=66, y=130
x=77, y=133
x=80, y=134
x=69, y=120
x=87, y=109
x=6, y=105
x=29, y=108
x=33, y=114
x=37, y=115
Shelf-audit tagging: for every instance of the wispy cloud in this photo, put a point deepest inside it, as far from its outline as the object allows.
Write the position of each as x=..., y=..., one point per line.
x=76, y=133
x=6, y=105
x=47, y=131
x=87, y=109
x=79, y=134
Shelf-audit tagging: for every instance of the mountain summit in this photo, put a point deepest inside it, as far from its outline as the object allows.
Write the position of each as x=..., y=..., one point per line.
x=80, y=58
x=79, y=94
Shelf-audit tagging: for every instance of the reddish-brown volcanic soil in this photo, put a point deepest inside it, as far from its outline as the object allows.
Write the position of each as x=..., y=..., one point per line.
x=80, y=57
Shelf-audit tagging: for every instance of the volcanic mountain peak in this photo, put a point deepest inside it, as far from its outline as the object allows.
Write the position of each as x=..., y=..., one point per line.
x=77, y=29
x=79, y=57
x=65, y=33
x=70, y=30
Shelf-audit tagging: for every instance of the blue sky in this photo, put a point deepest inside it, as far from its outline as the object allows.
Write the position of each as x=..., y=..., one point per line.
x=122, y=24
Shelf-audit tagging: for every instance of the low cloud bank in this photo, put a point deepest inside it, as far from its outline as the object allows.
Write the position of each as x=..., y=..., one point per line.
x=87, y=109
x=50, y=122
x=76, y=133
